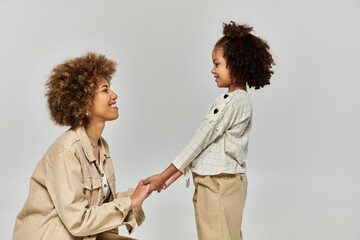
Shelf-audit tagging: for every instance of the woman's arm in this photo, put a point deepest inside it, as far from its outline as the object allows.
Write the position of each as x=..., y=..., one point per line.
x=140, y=194
x=66, y=189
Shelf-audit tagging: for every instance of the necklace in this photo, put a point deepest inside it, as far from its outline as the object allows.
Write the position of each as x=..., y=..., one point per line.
x=94, y=145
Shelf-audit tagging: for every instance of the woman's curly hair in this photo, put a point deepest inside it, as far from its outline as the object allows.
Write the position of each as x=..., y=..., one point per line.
x=71, y=85
x=247, y=56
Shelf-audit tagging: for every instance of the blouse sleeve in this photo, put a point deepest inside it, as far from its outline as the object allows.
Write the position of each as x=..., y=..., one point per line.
x=66, y=190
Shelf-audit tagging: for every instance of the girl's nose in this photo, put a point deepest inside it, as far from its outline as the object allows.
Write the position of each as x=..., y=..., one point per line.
x=213, y=70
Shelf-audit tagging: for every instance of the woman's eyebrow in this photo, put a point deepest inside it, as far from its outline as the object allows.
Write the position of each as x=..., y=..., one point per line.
x=105, y=86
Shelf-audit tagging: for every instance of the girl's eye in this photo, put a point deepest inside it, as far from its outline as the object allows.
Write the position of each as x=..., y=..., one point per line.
x=106, y=90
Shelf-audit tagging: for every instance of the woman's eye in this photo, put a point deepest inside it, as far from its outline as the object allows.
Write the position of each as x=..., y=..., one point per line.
x=106, y=90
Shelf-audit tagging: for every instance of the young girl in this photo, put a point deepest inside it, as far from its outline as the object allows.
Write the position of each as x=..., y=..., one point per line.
x=216, y=153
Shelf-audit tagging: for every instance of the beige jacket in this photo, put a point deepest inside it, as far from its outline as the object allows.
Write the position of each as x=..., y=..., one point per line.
x=65, y=196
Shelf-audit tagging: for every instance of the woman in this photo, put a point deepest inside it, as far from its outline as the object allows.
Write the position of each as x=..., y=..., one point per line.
x=72, y=190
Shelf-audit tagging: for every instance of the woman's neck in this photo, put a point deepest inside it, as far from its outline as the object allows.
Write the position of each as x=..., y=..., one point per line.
x=94, y=130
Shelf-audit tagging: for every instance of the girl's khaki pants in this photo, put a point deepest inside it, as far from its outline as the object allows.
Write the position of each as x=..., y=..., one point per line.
x=219, y=203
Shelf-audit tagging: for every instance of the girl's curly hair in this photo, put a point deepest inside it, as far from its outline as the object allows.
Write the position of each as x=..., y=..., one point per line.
x=247, y=56
x=71, y=85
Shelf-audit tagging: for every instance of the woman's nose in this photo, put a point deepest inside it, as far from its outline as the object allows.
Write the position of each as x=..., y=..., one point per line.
x=114, y=95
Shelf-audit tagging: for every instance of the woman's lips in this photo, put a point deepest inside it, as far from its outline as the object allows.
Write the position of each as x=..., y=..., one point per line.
x=113, y=105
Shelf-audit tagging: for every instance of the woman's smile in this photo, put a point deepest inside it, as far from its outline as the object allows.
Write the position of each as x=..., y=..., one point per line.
x=113, y=105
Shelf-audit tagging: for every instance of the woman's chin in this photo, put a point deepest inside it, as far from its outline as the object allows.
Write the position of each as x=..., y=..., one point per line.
x=112, y=118
x=116, y=117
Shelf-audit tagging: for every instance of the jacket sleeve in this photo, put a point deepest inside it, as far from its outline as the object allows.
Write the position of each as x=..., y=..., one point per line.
x=66, y=188
x=220, y=118
x=136, y=214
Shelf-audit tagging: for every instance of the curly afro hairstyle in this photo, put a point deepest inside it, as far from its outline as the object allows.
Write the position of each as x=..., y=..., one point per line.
x=71, y=86
x=247, y=56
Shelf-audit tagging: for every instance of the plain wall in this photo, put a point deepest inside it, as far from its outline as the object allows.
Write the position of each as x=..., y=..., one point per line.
x=303, y=161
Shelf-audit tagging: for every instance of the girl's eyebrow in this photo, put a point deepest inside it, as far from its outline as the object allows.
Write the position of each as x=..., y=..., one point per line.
x=215, y=59
x=104, y=86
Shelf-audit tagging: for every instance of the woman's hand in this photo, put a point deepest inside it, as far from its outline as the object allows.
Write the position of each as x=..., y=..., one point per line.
x=140, y=194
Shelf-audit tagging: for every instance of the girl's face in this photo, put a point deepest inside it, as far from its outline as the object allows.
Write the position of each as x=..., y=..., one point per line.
x=220, y=71
x=104, y=105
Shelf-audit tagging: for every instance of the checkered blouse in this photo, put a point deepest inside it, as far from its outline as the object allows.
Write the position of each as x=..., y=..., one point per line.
x=220, y=143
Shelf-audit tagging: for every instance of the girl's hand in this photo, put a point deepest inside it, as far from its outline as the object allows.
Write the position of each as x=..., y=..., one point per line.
x=172, y=179
x=140, y=194
x=157, y=181
x=154, y=182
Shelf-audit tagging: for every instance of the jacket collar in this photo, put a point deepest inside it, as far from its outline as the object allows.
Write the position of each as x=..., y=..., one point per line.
x=86, y=145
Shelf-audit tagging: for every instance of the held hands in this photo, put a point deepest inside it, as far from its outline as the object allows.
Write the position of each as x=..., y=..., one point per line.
x=154, y=182
x=140, y=194
x=161, y=181
x=169, y=181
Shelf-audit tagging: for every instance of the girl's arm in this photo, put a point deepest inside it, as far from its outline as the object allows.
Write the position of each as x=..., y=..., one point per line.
x=219, y=118
x=158, y=181
x=172, y=179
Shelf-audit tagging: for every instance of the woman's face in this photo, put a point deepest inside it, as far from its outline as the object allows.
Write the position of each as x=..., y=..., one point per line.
x=220, y=71
x=104, y=105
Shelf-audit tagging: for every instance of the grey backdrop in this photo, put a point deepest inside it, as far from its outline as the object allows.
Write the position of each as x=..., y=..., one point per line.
x=303, y=162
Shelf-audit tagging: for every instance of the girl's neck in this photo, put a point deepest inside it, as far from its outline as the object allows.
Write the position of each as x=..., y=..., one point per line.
x=233, y=88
